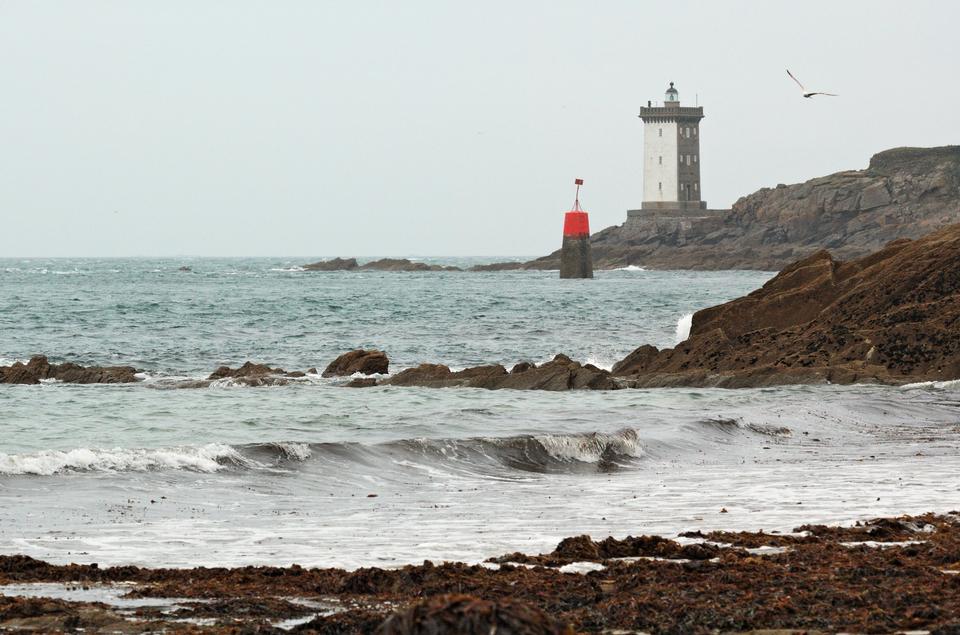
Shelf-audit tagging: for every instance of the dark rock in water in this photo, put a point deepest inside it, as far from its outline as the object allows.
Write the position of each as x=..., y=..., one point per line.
x=561, y=373
x=185, y=269
x=440, y=376
x=249, y=369
x=371, y=362
x=402, y=264
x=362, y=382
x=40, y=368
x=890, y=317
x=456, y=614
x=252, y=374
x=384, y=264
x=337, y=264
x=636, y=361
x=520, y=367
x=500, y=266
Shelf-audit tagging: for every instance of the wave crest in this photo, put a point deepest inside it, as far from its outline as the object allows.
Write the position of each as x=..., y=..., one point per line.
x=206, y=458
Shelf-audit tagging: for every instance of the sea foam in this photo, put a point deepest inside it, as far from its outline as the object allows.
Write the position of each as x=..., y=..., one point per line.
x=683, y=327
x=211, y=457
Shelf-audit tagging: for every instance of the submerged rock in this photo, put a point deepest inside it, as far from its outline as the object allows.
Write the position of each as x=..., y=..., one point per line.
x=366, y=362
x=39, y=368
x=890, y=317
x=253, y=374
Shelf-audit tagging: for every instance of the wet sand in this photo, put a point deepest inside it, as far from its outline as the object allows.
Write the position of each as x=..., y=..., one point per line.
x=883, y=576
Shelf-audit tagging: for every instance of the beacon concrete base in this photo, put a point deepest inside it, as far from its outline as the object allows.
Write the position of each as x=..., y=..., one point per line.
x=576, y=259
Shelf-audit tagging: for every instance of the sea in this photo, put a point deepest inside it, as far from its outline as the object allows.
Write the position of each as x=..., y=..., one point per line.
x=318, y=474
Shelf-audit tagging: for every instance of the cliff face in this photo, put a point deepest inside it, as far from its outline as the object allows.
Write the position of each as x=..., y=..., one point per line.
x=904, y=193
x=891, y=317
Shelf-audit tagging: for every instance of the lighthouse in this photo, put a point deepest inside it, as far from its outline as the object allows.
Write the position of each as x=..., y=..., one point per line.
x=671, y=157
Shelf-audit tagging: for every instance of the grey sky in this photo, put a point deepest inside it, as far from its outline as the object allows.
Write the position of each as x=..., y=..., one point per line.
x=430, y=128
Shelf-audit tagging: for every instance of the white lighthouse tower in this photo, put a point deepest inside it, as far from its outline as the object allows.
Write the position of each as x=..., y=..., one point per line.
x=671, y=157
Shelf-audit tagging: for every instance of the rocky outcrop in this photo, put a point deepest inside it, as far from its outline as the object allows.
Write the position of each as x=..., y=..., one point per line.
x=890, y=317
x=506, y=266
x=383, y=264
x=370, y=362
x=903, y=193
x=39, y=368
x=337, y=264
x=402, y=264
x=561, y=373
x=252, y=374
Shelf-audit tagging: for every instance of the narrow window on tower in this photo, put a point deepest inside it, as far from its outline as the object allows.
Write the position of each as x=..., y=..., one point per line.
x=661, y=132
x=696, y=187
x=694, y=158
x=660, y=186
x=660, y=160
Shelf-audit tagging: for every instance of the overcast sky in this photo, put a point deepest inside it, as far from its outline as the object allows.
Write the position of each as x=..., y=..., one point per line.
x=368, y=128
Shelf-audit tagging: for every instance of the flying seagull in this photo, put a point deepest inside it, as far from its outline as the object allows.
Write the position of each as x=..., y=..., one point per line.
x=806, y=93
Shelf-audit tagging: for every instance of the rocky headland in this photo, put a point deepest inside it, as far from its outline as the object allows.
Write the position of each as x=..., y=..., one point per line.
x=890, y=317
x=882, y=576
x=903, y=193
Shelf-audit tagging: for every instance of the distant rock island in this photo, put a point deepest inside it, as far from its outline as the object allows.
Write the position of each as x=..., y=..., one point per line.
x=384, y=264
x=904, y=193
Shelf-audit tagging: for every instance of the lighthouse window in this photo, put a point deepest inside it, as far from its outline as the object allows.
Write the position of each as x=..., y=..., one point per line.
x=688, y=159
x=660, y=186
x=694, y=158
x=696, y=187
x=661, y=132
x=660, y=160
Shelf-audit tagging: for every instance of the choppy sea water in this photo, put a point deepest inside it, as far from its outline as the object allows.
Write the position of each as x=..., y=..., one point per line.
x=322, y=475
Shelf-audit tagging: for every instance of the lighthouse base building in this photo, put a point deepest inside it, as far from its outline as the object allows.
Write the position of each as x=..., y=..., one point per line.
x=671, y=164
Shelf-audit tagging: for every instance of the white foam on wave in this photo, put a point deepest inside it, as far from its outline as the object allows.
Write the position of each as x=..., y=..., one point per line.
x=937, y=385
x=211, y=457
x=630, y=268
x=295, y=451
x=605, y=364
x=591, y=448
x=293, y=269
x=683, y=327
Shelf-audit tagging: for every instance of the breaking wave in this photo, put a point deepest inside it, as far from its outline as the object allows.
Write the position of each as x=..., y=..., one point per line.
x=506, y=457
x=211, y=457
x=683, y=327
x=489, y=455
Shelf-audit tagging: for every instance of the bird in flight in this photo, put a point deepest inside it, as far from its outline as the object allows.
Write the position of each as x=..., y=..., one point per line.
x=807, y=93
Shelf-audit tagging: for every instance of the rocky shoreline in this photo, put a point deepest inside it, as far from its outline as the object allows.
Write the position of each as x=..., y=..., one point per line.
x=882, y=576
x=892, y=317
